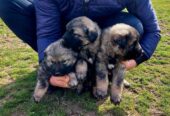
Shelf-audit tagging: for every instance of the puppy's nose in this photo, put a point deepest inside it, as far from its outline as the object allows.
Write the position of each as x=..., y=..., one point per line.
x=92, y=36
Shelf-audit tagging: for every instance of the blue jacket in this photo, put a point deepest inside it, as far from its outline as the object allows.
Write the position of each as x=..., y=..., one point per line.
x=53, y=14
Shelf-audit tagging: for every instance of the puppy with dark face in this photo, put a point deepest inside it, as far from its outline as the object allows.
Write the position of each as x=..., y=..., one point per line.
x=119, y=43
x=82, y=32
x=68, y=55
x=58, y=60
x=86, y=41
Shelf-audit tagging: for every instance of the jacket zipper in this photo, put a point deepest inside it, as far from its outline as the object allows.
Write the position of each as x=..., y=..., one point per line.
x=85, y=7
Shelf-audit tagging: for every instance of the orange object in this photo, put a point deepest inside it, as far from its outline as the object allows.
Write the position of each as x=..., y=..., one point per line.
x=60, y=81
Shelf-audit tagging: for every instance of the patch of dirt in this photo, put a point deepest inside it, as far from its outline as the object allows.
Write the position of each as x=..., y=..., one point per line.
x=130, y=92
x=90, y=114
x=6, y=98
x=168, y=34
x=18, y=113
x=156, y=112
x=163, y=23
x=134, y=113
x=6, y=80
x=116, y=111
x=75, y=109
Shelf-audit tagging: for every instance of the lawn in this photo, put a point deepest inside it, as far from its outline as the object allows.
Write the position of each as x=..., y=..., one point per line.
x=148, y=95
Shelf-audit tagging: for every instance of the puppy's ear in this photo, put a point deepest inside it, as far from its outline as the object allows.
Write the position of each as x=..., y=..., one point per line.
x=92, y=35
x=70, y=24
x=74, y=23
x=69, y=27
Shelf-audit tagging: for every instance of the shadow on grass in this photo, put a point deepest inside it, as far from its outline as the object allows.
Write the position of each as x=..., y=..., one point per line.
x=16, y=99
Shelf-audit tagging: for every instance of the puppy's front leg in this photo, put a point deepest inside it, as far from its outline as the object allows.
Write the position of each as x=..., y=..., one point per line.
x=42, y=85
x=117, y=83
x=102, y=82
x=81, y=70
x=81, y=74
x=73, y=80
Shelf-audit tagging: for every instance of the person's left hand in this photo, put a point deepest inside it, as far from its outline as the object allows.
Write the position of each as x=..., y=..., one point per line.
x=130, y=64
x=60, y=81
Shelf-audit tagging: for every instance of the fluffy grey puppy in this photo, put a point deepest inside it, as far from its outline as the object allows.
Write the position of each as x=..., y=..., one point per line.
x=87, y=37
x=119, y=42
x=69, y=55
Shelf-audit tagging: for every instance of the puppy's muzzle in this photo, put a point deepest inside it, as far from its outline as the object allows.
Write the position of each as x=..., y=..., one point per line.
x=134, y=52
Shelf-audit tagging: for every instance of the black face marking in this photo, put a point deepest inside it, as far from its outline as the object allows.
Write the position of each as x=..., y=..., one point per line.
x=122, y=43
x=72, y=40
x=133, y=51
x=90, y=35
x=59, y=68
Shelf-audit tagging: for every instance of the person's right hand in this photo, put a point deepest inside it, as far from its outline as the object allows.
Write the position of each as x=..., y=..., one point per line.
x=129, y=64
x=60, y=81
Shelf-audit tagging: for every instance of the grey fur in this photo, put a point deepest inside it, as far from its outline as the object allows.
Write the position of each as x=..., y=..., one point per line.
x=77, y=45
x=119, y=43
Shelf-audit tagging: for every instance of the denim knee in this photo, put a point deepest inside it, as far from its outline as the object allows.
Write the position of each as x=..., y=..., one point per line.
x=2, y=6
x=5, y=6
x=25, y=7
x=19, y=16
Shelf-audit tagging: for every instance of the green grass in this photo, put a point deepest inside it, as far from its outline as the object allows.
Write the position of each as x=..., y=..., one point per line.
x=149, y=94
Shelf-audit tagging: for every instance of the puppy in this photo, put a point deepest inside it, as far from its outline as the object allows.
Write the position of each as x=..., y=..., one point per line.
x=65, y=56
x=87, y=39
x=119, y=42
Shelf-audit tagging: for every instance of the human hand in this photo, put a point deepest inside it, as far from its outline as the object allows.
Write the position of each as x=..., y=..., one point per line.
x=129, y=64
x=60, y=81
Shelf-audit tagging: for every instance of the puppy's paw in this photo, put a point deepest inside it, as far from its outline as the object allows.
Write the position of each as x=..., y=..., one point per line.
x=115, y=99
x=116, y=93
x=73, y=80
x=40, y=90
x=38, y=95
x=81, y=70
x=36, y=99
x=81, y=76
x=99, y=94
x=79, y=90
x=73, y=83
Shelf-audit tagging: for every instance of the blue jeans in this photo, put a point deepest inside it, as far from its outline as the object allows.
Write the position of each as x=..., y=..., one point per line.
x=19, y=16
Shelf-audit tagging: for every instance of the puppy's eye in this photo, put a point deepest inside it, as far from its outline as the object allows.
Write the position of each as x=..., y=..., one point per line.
x=86, y=31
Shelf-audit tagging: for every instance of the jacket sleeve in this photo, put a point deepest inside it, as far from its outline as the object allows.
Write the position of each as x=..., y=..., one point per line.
x=48, y=24
x=143, y=10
